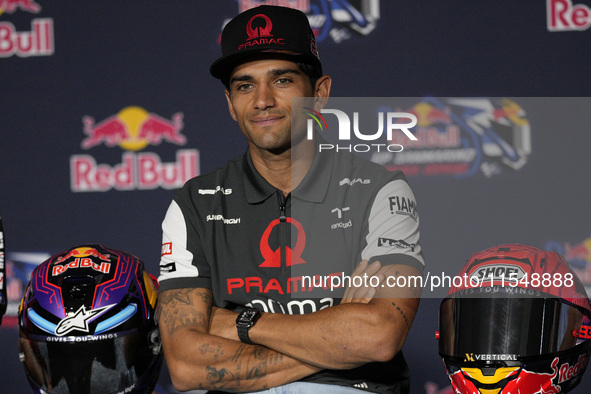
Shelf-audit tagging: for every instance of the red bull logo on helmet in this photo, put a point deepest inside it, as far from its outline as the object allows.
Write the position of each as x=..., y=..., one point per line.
x=567, y=371
x=535, y=382
x=472, y=380
x=133, y=129
x=467, y=380
x=81, y=263
x=82, y=257
x=83, y=251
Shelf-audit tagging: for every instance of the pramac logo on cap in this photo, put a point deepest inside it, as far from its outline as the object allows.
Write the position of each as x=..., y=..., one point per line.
x=259, y=31
x=260, y=35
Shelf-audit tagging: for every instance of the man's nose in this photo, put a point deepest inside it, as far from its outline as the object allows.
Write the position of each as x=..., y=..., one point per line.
x=265, y=97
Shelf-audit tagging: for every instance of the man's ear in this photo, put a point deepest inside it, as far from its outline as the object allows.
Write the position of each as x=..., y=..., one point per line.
x=230, y=106
x=322, y=91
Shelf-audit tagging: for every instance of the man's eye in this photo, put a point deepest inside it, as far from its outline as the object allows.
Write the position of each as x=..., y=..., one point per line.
x=243, y=87
x=283, y=81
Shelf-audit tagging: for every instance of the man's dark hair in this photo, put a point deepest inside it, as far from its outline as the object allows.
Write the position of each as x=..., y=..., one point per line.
x=313, y=72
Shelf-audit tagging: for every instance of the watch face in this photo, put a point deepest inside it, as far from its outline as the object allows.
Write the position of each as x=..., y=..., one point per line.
x=248, y=315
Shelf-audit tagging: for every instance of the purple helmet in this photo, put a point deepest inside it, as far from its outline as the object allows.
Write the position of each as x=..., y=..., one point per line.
x=86, y=324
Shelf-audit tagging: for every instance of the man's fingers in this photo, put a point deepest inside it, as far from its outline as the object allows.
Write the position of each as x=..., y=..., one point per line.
x=349, y=291
x=365, y=293
x=363, y=285
x=359, y=269
x=373, y=268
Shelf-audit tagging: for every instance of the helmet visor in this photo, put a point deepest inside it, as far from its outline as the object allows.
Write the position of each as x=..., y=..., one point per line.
x=94, y=366
x=507, y=328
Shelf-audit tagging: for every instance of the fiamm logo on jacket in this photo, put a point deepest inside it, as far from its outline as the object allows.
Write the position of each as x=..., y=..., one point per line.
x=133, y=129
x=462, y=137
x=338, y=20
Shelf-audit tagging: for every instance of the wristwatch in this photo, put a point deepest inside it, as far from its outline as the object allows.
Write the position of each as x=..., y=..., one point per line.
x=245, y=320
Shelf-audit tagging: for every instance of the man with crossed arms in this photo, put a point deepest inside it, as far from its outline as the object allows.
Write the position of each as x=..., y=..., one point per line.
x=233, y=247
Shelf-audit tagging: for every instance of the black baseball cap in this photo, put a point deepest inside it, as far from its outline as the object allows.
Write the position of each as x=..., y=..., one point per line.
x=266, y=30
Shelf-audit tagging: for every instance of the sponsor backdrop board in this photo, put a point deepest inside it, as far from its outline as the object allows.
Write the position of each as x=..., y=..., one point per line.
x=108, y=106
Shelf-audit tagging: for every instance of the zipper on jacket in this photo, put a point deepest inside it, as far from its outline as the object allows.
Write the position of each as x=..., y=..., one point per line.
x=283, y=243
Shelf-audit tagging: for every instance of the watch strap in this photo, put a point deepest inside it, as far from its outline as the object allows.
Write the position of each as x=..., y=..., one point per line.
x=243, y=334
x=244, y=322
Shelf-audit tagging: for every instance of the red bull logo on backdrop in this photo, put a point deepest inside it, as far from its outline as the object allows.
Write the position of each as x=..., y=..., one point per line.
x=133, y=129
x=11, y=6
x=462, y=137
x=39, y=41
x=563, y=15
x=335, y=20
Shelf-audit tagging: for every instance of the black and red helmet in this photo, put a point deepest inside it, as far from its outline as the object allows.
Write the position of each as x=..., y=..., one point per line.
x=518, y=321
x=86, y=324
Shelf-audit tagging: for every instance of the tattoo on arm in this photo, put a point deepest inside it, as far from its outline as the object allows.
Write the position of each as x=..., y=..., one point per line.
x=257, y=359
x=215, y=351
x=182, y=308
x=176, y=309
x=416, y=292
x=275, y=358
x=401, y=314
x=257, y=363
x=219, y=378
x=207, y=300
x=237, y=358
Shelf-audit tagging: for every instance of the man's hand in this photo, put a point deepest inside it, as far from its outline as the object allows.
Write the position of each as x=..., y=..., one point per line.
x=363, y=294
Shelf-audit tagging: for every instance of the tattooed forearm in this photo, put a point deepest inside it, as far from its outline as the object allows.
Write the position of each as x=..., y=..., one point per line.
x=251, y=362
x=237, y=358
x=218, y=378
x=257, y=363
x=215, y=351
x=275, y=358
x=214, y=362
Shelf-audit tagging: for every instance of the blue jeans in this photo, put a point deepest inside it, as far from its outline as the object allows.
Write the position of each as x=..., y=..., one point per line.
x=311, y=388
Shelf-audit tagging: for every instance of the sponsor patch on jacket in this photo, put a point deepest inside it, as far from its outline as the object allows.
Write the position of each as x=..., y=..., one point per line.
x=170, y=267
x=387, y=242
